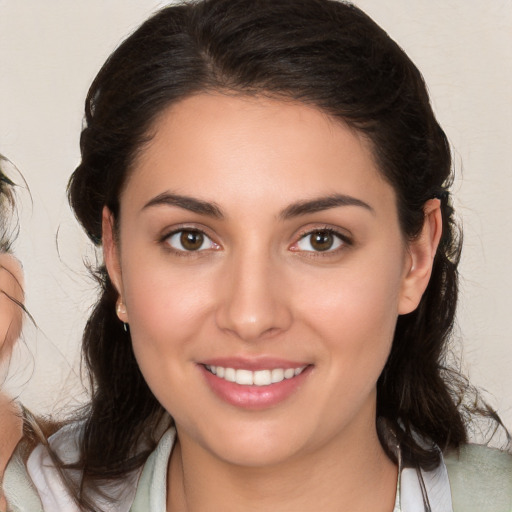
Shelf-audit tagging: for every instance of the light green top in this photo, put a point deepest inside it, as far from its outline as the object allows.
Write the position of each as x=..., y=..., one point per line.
x=480, y=479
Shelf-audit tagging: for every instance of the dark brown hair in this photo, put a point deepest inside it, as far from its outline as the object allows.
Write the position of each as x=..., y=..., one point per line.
x=327, y=54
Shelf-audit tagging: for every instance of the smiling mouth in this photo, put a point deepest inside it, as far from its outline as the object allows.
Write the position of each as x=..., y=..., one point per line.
x=255, y=378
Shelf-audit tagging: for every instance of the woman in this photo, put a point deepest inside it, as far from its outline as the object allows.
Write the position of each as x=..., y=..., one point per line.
x=16, y=423
x=269, y=185
x=11, y=314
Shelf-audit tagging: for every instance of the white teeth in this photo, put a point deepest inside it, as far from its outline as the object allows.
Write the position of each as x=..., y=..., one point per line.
x=277, y=375
x=289, y=373
x=257, y=378
x=230, y=375
x=262, y=377
x=244, y=377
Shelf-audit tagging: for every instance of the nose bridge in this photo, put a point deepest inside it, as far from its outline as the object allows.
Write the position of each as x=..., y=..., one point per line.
x=253, y=305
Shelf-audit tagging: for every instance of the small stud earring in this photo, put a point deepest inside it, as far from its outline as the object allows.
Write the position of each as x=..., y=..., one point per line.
x=120, y=309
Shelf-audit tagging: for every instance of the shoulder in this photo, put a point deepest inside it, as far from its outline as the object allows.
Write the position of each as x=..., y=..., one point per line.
x=480, y=478
x=37, y=485
x=34, y=484
x=19, y=490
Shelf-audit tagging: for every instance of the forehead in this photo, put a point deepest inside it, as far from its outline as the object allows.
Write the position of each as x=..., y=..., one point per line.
x=252, y=148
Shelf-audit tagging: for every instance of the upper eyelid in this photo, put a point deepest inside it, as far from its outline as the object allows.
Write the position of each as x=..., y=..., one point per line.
x=342, y=233
x=172, y=230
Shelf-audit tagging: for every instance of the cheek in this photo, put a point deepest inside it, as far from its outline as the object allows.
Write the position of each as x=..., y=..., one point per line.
x=11, y=316
x=361, y=298
x=10, y=325
x=168, y=310
x=354, y=312
x=164, y=321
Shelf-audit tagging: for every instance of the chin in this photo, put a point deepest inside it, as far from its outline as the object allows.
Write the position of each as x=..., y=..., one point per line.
x=254, y=445
x=257, y=455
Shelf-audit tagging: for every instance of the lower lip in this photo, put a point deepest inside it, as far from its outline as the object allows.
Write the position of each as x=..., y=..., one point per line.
x=254, y=397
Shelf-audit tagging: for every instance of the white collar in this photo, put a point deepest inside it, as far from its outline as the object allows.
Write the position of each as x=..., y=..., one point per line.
x=434, y=485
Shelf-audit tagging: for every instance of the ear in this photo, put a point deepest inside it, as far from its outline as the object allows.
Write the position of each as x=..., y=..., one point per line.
x=112, y=260
x=421, y=258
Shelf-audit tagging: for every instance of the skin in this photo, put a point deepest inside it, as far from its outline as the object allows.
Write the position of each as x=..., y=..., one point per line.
x=260, y=289
x=11, y=287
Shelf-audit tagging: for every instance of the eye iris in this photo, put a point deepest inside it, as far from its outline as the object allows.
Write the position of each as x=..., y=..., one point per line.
x=322, y=240
x=191, y=240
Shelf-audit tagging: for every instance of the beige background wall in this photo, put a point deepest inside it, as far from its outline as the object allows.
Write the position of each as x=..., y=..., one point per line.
x=50, y=51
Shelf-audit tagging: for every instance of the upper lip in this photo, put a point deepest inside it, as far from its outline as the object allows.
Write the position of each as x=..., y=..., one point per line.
x=253, y=363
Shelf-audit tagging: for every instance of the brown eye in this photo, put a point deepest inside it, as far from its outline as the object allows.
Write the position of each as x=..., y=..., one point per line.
x=321, y=240
x=190, y=240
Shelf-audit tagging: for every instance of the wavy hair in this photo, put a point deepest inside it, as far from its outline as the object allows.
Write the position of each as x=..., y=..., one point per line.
x=324, y=53
x=9, y=225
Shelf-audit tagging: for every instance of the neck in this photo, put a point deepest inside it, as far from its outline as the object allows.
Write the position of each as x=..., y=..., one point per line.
x=330, y=479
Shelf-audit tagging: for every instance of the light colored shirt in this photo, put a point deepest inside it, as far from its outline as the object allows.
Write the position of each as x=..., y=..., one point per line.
x=39, y=488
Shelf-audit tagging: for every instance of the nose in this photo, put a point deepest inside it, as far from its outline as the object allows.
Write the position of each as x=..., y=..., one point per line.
x=253, y=303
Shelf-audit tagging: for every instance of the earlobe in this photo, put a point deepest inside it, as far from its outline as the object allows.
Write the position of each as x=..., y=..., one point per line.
x=422, y=251
x=121, y=310
x=112, y=261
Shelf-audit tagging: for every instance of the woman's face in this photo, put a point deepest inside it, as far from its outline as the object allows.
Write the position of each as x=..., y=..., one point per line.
x=262, y=267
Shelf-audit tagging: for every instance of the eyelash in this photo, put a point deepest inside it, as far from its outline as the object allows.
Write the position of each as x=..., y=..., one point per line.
x=343, y=240
x=165, y=241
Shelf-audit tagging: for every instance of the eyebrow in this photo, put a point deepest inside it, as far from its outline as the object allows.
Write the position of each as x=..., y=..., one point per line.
x=188, y=203
x=323, y=203
x=294, y=210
